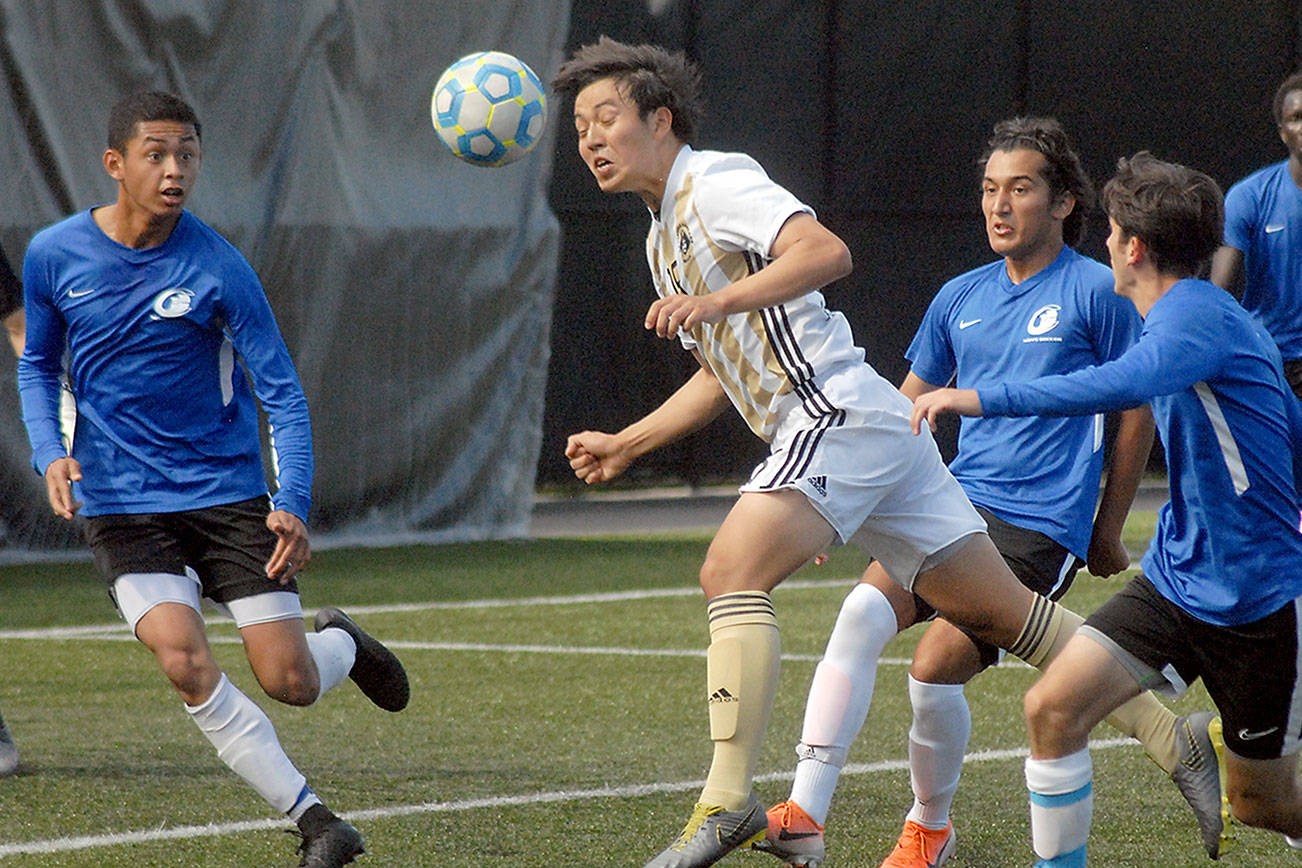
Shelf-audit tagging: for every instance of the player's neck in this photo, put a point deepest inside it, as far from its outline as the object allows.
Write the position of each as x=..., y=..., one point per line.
x=134, y=228
x=1295, y=169
x=1022, y=268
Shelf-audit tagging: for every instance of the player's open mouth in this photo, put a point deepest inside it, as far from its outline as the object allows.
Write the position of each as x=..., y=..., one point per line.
x=173, y=195
x=600, y=164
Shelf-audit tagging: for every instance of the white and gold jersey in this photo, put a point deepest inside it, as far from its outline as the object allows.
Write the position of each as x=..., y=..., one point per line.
x=717, y=224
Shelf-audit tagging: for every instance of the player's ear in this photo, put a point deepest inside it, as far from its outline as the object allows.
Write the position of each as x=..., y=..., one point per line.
x=662, y=121
x=1136, y=250
x=1063, y=206
x=113, y=160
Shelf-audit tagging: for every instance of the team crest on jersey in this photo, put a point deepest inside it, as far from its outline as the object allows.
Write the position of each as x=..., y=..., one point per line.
x=171, y=303
x=1043, y=320
x=684, y=240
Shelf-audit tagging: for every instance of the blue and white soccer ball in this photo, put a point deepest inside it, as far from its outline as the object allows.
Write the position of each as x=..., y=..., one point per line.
x=489, y=108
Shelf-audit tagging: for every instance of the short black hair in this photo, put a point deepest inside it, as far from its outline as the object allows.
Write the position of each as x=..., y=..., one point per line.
x=144, y=106
x=1063, y=171
x=1287, y=86
x=648, y=75
x=1176, y=211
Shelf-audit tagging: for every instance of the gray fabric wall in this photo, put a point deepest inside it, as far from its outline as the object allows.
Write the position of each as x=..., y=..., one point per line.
x=414, y=291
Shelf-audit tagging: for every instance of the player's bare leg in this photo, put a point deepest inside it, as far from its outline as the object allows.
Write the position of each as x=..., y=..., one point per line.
x=765, y=537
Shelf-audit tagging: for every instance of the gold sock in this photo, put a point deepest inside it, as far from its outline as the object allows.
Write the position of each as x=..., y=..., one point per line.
x=1048, y=628
x=742, y=679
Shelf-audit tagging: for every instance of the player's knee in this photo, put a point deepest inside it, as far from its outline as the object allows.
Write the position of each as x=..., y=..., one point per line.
x=718, y=576
x=192, y=672
x=1049, y=713
x=292, y=685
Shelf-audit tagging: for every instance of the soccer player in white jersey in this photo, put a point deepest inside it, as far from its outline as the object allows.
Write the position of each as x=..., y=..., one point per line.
x=1263, y=237
x=1220, y=596
x=737, y=262
x=154, y=311
x=1041, y=308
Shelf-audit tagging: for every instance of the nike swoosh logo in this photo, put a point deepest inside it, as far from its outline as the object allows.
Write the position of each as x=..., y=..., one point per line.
x=73, y=293
x=1245, y=735
x=970, y=322
x=784, y=835
x=1273, y=229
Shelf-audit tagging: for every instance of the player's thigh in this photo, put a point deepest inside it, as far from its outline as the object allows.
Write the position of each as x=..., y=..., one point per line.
x=974, y=589
x=765, y=537
x=275, y=643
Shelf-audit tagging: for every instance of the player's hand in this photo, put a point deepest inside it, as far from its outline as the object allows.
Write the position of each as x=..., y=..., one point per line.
x=595, y=456
x=929, y=405
x=293, y=550
x=59, y=477
x=1107, y=557
x=668, y=316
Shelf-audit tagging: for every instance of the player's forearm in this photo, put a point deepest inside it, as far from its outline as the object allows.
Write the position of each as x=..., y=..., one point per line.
x=695, y=404
x=1130, y=451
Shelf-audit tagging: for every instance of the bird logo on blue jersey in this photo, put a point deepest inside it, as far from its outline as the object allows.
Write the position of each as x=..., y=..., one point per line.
x=171, y=303
x=1043, y=320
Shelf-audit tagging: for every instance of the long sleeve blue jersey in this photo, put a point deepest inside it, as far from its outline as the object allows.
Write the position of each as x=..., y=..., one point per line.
x=153, y=341
x=1227, y=547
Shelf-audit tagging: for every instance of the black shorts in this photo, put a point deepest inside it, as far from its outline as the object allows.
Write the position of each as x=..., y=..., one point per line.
x=228, y=546
x=1039, y=562
x=1250, y=670
x=1293, y=374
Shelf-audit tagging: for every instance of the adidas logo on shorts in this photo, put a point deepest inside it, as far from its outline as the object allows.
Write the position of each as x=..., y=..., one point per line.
x=819, y=484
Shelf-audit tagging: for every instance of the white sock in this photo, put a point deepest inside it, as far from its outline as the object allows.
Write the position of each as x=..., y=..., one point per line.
x=246, y=741
x=937, y=742
x=840, y=695
x=1062, y=806
x=334, y=652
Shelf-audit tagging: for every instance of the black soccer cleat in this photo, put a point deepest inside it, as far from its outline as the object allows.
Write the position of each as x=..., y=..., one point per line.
x=335, y=844
x=376, y=670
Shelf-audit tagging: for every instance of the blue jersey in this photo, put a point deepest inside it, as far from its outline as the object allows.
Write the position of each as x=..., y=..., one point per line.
x=166, y=420
x=1037, y=473
x=1263, y=219
x=1227, y=547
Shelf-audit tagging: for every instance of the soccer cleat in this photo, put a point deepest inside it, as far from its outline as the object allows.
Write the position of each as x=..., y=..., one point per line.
x=375, y=670
x=8, y=751
x=792, y=836
x=920, y=847
x=335, y=844
x=1200, y=774
x=711, y=834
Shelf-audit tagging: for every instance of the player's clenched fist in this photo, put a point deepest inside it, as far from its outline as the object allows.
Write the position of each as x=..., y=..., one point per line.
x=595, y=457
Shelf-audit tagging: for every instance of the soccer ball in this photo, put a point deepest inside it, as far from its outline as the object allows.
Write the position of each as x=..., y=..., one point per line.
x=489, y=108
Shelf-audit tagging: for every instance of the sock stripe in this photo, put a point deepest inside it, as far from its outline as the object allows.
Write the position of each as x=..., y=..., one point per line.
x=1057, y=801
x=1037, y=623
x=748, y=605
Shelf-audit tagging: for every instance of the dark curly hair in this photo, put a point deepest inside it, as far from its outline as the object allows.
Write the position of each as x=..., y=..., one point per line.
x=648, y=75
x=1063, y=171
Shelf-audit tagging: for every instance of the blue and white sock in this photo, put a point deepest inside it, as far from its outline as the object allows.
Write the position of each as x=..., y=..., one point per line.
x=1062, y=807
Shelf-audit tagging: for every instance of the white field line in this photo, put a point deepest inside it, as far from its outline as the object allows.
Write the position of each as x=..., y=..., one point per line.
x=120, y=633
x=142, y=836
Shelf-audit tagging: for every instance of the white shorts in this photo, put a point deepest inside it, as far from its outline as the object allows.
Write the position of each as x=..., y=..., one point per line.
x=136, y=593
x=877, y=484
